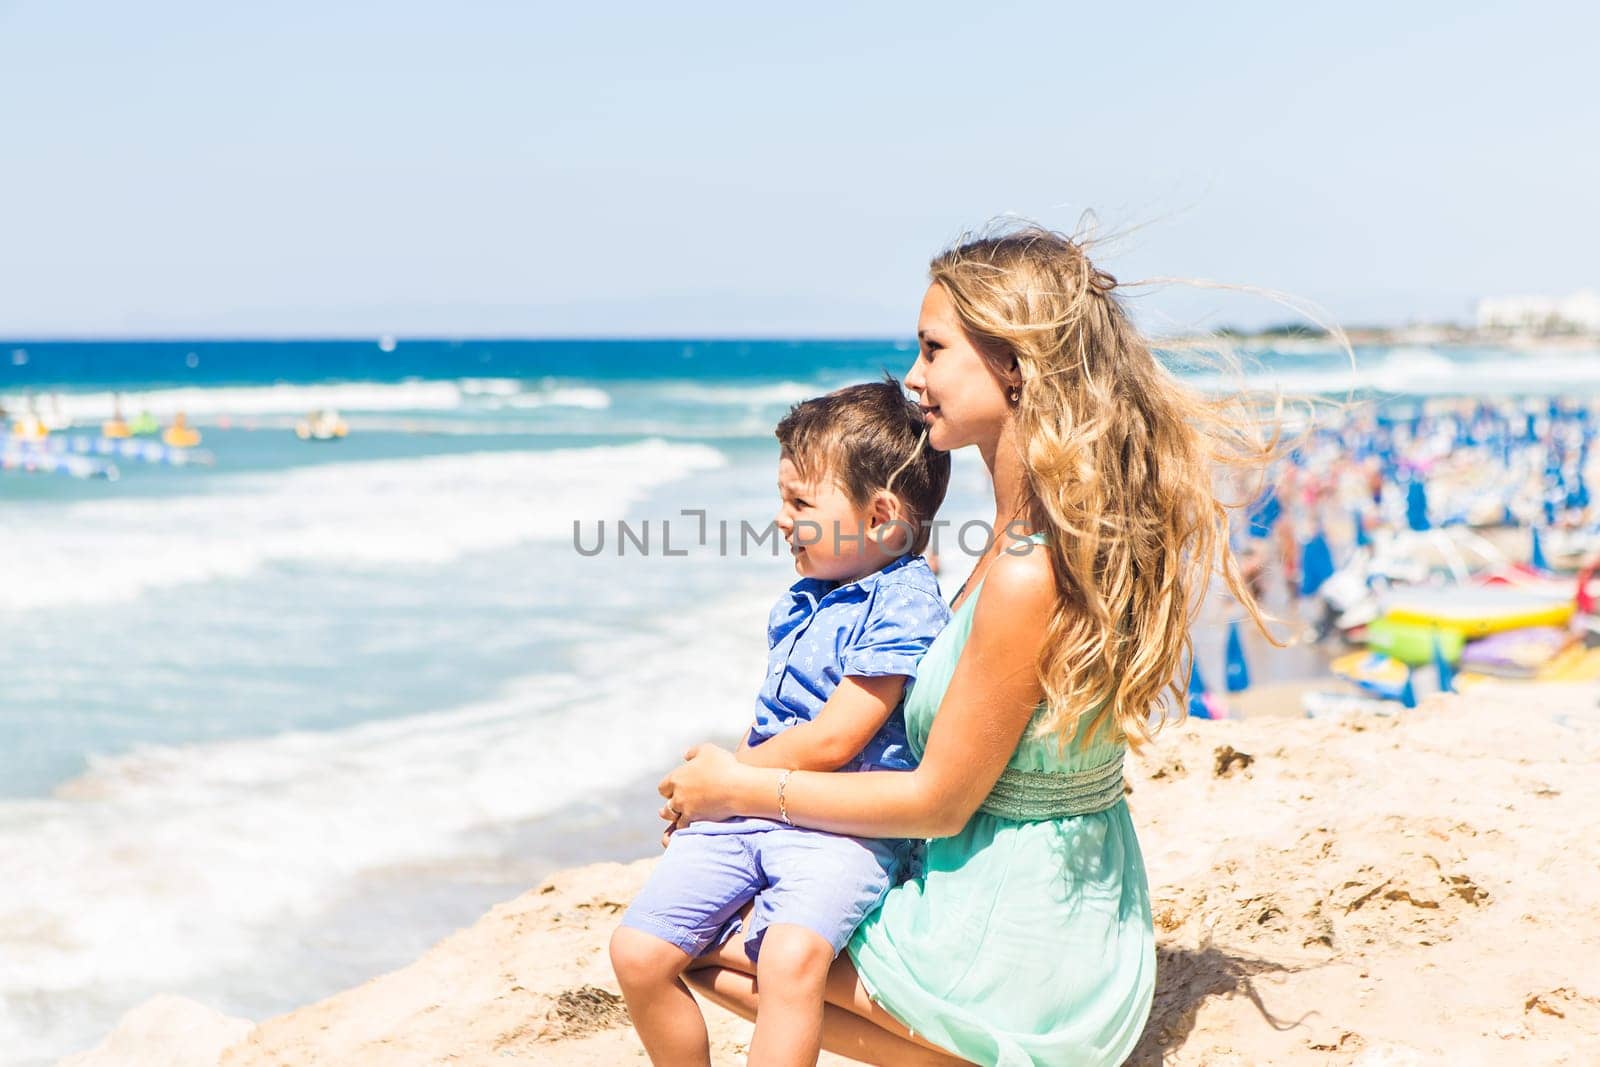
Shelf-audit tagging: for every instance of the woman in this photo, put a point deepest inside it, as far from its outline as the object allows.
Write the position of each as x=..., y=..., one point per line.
x=1028, y=938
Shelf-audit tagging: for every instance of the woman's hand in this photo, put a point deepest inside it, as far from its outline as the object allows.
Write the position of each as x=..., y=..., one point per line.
x=704, y=787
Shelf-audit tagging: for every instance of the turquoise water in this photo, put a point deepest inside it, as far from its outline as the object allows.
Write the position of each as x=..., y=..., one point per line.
x=271, y=725
x=274, y=724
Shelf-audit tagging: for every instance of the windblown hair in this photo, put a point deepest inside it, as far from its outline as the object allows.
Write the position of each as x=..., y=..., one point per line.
x=1120, y=462
x=870, y=437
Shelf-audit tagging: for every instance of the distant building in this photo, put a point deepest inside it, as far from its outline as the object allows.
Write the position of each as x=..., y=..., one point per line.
x=1578, y=313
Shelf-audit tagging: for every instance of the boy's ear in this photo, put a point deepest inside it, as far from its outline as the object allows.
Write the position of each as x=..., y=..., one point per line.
x=885, y=507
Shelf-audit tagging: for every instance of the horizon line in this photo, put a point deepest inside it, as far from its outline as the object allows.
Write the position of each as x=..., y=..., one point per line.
x=376, y=338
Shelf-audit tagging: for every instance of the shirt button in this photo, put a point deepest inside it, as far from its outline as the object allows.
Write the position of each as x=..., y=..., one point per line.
x=777, y=668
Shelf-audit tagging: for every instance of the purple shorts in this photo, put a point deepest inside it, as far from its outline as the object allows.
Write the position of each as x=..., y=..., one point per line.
x=823, y=882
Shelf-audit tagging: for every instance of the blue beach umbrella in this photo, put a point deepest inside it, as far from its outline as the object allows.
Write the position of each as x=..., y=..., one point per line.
x=1264, y=514
x=1316, y=564
x=1238, y=669
x=1441, y=663
x=1417, y=504
x=1197, y=693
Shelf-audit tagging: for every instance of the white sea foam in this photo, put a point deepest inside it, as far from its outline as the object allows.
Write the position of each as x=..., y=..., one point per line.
x=755, y=395
x=286, y=399
x=570, y=397
x=1424, y=372
x=383, y=512
x=164, y=866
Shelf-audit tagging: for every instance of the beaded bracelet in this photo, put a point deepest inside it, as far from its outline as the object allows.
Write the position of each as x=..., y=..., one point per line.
x=783, y=807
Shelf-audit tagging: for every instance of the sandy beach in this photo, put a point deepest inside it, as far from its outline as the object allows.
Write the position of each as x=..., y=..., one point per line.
x=1383, y=890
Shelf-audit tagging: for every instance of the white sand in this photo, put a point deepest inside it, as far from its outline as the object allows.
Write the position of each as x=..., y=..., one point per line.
x=1410, y=890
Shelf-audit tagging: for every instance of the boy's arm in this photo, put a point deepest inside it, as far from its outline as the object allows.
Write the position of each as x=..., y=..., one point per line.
x=857, y=709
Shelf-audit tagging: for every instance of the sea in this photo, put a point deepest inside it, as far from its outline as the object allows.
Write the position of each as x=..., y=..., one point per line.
x=277, y=719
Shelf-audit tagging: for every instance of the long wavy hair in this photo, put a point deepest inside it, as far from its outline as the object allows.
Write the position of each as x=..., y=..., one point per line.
x=1122, y=471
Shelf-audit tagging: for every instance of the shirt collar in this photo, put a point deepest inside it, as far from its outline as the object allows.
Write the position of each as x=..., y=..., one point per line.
x=818, y=588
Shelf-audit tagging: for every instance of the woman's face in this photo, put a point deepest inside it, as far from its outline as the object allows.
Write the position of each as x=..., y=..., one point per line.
x=963, y=399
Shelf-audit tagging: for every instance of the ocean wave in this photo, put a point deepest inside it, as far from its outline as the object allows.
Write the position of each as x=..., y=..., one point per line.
x=570, y=397
x=159, y=867
x=754, y=395
x=425, y=510
x=1416, y=371
x=211, y=402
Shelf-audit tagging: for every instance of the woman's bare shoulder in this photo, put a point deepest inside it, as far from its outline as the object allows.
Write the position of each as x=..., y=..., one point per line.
x=1020, y=588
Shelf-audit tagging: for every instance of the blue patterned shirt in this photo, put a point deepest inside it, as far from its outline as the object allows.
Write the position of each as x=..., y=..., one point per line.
x=821, y=631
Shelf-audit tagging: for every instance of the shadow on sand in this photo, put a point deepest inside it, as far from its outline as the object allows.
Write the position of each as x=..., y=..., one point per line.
x=1185, y=977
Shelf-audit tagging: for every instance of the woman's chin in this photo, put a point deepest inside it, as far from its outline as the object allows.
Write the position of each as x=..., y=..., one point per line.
x=941, y=438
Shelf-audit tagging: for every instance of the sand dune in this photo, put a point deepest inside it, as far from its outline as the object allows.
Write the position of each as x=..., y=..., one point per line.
x=1383, y=891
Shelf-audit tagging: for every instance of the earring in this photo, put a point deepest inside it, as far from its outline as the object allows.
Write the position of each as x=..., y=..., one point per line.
x=1016, y=394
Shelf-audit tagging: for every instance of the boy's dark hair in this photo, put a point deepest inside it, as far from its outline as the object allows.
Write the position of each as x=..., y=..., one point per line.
x=870, y=437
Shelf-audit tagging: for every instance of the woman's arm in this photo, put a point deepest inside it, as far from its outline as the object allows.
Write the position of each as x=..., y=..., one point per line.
x=989, y=702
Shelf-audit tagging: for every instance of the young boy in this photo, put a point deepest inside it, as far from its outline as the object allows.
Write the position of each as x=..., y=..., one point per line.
x=858, y=486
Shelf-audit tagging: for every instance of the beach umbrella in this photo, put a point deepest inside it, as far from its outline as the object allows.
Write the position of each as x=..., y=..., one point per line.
x=1441, y=663
x=1536, y=552
x=1316, y=564
x=1417, y=504
x=1264, y=514
x=1238, y=669
x=1199, y=708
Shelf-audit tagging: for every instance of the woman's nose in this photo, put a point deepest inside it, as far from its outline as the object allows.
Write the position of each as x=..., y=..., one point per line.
x=914, y=377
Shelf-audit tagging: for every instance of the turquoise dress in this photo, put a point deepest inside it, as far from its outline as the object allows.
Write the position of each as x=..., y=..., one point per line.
x=1023, y=941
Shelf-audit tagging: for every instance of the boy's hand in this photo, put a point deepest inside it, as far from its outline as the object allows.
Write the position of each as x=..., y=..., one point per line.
x=674, y=821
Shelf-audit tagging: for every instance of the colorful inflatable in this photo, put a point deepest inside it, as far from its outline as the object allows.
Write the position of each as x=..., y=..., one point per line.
x=1476, y=611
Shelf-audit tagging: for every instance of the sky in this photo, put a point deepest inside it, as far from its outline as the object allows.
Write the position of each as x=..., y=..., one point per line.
x=714, y=169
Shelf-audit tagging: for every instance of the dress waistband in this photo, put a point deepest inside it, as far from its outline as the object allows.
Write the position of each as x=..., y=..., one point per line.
x=1033, y=796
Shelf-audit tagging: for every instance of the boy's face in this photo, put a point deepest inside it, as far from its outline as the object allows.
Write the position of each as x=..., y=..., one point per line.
x=831, y=538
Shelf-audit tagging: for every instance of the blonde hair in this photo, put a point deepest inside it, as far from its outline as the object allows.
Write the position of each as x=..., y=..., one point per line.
x=1119, y=461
